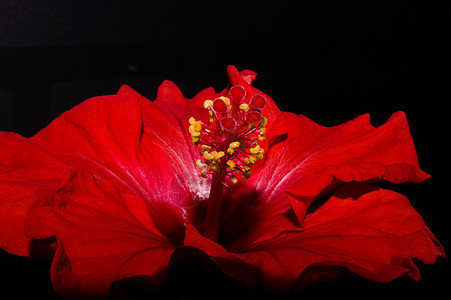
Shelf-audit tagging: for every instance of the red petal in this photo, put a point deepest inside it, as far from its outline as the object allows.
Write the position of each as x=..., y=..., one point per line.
x=140, y=145
x=372, y=232
x=230, y=263
x=99, y=235
x=248, y=220
x=24, y=168
x=314, y=158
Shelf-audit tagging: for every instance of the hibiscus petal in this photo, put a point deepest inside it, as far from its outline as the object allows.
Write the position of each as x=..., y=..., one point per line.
x=99, y=236
x=372, y=232
x=24, y=168
x=229, y=262
x=248, y=220
x=135, y=143
x=314, y=157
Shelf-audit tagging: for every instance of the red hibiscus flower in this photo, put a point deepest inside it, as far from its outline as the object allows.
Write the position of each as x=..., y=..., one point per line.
x=116, y=184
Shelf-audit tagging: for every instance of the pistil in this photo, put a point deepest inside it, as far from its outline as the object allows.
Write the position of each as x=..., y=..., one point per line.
x=228, y=145
x=213, y=219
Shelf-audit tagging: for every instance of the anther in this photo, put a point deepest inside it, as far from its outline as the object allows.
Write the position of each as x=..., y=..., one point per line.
x=208, y=156
x=193, y=131
x=200, y=164
x=234, y=145
x=231, y=164
x=208, y=104
x=246, y=174
x=244, y=106
x=255, y=150
x=218, y=156
x=227, y=101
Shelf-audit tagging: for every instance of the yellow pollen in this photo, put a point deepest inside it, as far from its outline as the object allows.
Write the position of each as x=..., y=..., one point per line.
x=194, y=133
x=208, y=104
x=250, y=160
x=230, y=150
x=234, y=145
x=227, y=101
x=231, y=164
x=244, y=106
x=218, y=155
x=195, y=125
x=203, y=173
x=208, y=156
x=200, y=164
x=213, y=167
x=264, y=122
x=205, y=147
x=255, y=150
x=263, y=130
x=233, y=179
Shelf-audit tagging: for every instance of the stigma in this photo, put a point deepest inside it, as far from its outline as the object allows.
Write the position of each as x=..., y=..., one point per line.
x=229, y=143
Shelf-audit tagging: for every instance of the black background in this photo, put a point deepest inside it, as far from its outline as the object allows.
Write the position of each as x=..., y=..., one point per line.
x=327, y=60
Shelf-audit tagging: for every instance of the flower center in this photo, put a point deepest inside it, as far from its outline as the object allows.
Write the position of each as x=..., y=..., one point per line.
x=228, y=144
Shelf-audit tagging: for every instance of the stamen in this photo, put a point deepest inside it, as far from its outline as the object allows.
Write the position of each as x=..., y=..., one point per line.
x=200, y=164
x=208, y=104
x=234, y=145
x=231, y=164
x=229, y=144
x=244, y=106
x=255, y=150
